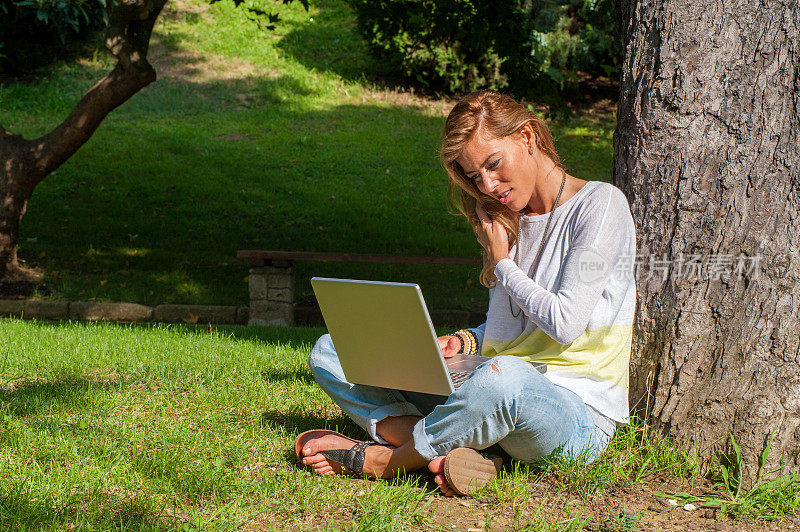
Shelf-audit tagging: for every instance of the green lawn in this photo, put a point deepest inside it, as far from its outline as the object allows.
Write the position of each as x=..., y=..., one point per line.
x=268, y=140
x=111, y=427
x=252, y=140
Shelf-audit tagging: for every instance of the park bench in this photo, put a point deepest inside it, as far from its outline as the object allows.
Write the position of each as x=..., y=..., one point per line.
x=272, y=278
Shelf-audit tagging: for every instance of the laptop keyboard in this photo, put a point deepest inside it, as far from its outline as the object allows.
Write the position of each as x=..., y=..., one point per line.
x=459, y=377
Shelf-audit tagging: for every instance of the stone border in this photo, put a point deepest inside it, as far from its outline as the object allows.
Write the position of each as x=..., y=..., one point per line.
x=187, y=314
x=122, y=312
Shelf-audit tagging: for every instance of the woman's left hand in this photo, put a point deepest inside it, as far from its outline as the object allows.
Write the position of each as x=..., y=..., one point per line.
x=492, y=236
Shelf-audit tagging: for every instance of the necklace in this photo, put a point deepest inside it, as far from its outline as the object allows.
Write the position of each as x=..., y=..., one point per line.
x=541, y=246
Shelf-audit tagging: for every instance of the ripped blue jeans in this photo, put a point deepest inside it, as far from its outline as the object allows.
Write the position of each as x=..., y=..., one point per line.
x=506, y=402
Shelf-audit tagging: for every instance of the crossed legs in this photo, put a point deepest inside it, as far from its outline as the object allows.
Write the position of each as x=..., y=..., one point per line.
x=505, y=401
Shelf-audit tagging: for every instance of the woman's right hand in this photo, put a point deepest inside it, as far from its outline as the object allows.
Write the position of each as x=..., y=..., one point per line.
x=450, y=345
x=491, y=235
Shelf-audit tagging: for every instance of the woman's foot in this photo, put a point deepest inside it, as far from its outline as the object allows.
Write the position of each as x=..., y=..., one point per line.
x=463, y=471
x=311, y=444
x=436, y=467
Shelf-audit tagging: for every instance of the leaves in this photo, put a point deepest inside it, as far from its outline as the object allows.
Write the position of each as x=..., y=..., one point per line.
x=770, y=500
x=303, y=2
x=258, y=15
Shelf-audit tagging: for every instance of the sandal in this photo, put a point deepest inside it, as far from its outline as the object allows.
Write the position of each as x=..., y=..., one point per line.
x=351, y=460
x=467, y=470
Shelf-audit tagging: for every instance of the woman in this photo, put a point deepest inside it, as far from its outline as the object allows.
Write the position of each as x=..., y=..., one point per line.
x=558, y=261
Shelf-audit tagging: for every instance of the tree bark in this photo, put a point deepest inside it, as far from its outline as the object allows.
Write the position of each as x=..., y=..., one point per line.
x=706, y=149
x=13, y=202
x=25, y=163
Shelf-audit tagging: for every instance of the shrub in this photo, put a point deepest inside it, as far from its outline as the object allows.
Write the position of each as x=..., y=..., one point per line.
x=30, y=29
x=460, y=46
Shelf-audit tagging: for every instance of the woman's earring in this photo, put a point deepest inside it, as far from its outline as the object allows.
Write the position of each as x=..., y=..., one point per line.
x=530, y=150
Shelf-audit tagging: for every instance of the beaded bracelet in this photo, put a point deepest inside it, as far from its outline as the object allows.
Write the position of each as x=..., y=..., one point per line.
x=466, y=342
x=475, y=345
x=469, y=340
x=460, y=341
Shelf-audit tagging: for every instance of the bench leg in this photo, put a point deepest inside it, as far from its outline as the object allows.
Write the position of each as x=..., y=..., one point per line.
x=272, y=295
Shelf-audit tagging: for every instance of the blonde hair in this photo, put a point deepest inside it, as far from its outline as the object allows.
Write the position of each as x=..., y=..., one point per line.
x=498, y=116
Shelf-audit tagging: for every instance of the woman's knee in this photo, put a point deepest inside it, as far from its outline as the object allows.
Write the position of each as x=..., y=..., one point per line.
x=514, y=364
x=323, y=354
x=496, y=385
x=506, y=375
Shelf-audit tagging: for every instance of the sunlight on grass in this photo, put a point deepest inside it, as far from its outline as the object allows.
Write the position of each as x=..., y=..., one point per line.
x=251, y=139
x=153, y=427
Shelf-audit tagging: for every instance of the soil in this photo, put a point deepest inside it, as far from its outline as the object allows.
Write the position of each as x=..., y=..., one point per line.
x=545, y=505
x=621, y=507
x=22, y=289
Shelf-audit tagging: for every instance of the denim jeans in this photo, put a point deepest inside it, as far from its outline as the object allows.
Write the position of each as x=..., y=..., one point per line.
x=506, y=402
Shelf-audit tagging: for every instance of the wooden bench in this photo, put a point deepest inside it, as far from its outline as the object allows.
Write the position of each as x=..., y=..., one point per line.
x=272, y=278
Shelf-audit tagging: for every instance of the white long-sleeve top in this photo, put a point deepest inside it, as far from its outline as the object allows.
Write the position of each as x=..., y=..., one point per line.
x=576, y=310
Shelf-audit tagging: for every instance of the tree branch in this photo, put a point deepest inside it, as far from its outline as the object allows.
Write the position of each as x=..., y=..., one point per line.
x=130, y=27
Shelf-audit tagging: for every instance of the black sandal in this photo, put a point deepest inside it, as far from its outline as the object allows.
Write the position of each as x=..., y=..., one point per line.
x=352, y=459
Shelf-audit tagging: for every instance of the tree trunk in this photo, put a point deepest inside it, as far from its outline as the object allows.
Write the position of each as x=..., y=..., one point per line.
x=706, y=149
x=12, y=152
x=25, y=163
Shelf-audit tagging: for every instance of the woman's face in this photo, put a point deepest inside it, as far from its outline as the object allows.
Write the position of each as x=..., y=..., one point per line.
x=501, y=167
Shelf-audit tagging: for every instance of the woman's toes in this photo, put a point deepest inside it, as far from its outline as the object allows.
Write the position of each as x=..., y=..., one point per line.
x=444, y=487
x=436, y=465
x=324, y=470
x=313, y=460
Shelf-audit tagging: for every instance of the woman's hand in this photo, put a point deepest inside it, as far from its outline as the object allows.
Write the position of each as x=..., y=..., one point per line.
x=492, y=236
x=450, y=345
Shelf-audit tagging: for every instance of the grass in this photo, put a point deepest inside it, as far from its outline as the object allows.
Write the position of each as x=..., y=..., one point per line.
x=180, y=428
x=252, y=139
x=270, y=140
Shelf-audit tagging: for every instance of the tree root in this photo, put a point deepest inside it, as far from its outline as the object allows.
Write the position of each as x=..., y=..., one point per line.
x=21, y=274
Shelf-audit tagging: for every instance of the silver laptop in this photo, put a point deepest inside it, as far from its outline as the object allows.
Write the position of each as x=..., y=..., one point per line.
x=384, y=337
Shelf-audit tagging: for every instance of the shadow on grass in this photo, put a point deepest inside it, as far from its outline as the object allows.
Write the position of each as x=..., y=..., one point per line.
x=268, y=160
x=298, y=422
x=332, y=44
x=28, y=398
x=274, y=375
x=21, y=510
x=249, y=163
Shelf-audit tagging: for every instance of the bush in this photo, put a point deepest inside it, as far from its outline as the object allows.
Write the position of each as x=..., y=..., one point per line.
x=30, y=29
x=460, y=46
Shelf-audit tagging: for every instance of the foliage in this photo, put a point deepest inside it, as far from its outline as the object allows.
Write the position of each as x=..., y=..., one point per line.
x=29, y=29
x=466, y=45
x=765, y=499
x=214, y=165
x=34, y=28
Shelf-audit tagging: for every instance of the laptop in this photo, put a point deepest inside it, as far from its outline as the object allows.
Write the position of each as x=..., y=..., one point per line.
x=384, y=337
